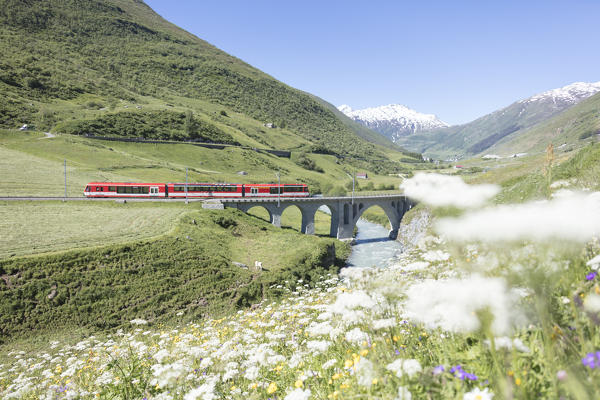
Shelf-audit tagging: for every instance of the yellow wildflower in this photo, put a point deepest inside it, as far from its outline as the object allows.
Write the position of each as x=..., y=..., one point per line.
x=272, y=388
x=298, y=384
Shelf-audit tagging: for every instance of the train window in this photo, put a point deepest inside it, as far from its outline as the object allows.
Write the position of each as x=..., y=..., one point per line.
x=273, y=190
x=144, y=190
x=120, y=189
x=112, y=189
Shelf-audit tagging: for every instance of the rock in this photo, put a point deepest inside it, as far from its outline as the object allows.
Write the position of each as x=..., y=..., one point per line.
x=52, y=292
x=239, y=264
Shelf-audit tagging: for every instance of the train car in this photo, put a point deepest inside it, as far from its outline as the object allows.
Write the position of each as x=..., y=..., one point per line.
x=270, y=190
x=193, y=190
x=125, y=190
x=204, y=190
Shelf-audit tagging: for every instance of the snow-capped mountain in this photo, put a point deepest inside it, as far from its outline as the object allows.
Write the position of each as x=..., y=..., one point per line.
x=507, y=125
x=569, y=94
x=393, y=120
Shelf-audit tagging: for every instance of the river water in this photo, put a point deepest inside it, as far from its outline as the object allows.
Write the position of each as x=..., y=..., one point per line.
x=373, y=247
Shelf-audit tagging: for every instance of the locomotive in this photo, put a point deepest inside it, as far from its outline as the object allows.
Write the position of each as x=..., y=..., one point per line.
x=193, y=190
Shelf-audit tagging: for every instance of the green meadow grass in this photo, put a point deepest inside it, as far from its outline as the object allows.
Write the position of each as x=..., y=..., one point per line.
x=38, y=227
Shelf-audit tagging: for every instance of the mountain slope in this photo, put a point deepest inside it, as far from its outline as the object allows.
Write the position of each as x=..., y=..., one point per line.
x=478, y=136
x=576, y=125
x=394, y=120
x=72, y=64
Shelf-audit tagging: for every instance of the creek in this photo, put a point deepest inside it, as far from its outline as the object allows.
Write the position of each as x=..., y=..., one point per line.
x=373, y=247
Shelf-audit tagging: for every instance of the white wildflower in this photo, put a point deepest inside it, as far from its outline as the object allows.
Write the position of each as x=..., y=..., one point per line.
x=478, y=394
x=329, y=364
x=298, y=394
x=161, y=355
x=138, y=321
x=252, y=373
x=443, y=190
x=318, y=329
x=401, y=366
x=453, y=304
x=383, y=323
x=592, y=303
x=574, y=218
x=318, y=346
x=165, y=375
x=202, y=392
x=365, y=373
x=414, y=266
x=436, y=255
x=594, y=263
x=351, y=300
x=356, y=336
x=504, y=342
x=162, y=396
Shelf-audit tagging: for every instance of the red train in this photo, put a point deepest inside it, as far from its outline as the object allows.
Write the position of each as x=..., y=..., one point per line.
x=194, y=190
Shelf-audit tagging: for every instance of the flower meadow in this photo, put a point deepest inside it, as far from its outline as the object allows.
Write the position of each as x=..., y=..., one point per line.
x=458, y=315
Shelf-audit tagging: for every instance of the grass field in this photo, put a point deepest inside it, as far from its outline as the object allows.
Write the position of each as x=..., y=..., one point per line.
x=39, y=227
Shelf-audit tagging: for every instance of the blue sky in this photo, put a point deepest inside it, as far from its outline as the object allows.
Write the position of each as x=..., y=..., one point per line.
x=457, y=59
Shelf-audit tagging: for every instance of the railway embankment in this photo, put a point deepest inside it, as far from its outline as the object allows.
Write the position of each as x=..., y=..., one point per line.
x=194, y=269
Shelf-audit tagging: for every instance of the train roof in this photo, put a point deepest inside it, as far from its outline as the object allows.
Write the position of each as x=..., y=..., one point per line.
x=124, y=183
x=190, y=183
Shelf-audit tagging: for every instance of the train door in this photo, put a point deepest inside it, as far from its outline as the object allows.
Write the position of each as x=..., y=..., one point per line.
x=153, y=191
x=254, y=190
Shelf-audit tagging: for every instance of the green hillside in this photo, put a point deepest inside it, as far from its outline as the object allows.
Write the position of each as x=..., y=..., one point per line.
x=116, y=68
x=32, y=164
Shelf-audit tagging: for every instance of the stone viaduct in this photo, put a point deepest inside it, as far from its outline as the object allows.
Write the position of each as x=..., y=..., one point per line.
x=345, y=211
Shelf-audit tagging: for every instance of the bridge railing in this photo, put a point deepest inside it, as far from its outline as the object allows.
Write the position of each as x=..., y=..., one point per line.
x=375, y=193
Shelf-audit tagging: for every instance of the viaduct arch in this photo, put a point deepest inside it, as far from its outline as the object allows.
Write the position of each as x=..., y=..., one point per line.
x=345, y=211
